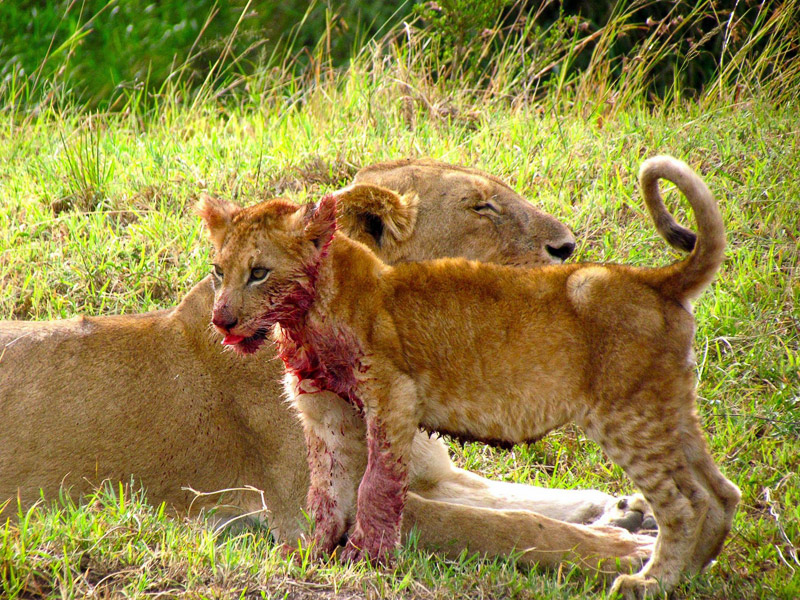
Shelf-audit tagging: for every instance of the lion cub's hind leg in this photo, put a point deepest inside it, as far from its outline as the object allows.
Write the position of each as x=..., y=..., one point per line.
x=724, y=496
x=642, y=435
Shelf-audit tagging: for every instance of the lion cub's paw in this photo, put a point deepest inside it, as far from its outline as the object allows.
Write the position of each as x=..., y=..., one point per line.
x=305, y=549
x=635, y=587
x=358, y=549
x=291, y=553
x=642, y=547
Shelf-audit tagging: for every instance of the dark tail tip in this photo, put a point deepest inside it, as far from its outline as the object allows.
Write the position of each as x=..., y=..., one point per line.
x=681, y=238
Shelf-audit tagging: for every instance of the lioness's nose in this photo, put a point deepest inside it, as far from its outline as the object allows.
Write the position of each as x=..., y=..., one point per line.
x=225, y=322
x=563, y=252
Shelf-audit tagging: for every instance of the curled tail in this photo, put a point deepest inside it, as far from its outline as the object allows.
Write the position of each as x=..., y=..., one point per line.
x=684, y=280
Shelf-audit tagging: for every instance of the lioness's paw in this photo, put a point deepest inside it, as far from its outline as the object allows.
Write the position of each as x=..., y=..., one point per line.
x=635, y=587
x=632, y=513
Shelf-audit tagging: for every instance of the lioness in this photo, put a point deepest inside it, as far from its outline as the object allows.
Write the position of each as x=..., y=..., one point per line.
x=483, y=351
x=155, y=397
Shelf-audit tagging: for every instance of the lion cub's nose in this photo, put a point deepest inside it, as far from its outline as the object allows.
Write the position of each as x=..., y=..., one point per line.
x=225, y=322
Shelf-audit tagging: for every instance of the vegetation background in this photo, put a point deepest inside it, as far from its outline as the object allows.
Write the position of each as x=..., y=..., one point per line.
x=114, y=115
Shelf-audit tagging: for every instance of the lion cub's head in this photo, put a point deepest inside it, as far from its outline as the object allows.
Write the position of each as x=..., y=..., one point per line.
x=265, y=263
x=266, y=255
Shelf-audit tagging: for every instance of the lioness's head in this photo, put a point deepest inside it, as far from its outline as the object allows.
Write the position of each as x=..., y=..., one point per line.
x=466, y=212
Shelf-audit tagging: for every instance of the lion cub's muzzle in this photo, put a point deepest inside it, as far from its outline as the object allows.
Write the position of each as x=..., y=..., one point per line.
x=225, y=322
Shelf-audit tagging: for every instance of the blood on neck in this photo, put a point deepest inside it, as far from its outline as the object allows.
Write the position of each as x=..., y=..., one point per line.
x=325, y=353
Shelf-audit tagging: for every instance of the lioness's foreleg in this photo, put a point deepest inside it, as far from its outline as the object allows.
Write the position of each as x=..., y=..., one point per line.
x=434, y=476
x=536, y=539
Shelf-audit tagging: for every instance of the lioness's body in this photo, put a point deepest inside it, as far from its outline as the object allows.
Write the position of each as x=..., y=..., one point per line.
x=151, y=397
x=484, y=351
x=156, y=398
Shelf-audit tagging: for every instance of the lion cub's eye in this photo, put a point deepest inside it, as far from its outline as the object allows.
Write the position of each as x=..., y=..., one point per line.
x=217, y=271
x=258, y=274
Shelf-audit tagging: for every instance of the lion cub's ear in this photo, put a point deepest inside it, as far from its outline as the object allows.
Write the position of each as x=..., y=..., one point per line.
x=217, y=215
x=320, y=221
x=381, y=214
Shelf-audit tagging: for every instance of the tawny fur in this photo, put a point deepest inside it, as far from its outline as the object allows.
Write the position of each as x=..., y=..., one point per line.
x=156, y=399
x=486, y=352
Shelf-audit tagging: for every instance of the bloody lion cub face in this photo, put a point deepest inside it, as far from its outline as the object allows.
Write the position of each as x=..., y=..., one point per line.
x=265, y=263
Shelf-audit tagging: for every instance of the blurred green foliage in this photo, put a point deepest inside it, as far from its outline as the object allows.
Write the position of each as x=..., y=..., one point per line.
x=89, y=50
x=94, y=46
x=696, y=34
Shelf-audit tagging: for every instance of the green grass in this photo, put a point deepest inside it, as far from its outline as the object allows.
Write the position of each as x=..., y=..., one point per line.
x=96, y=218
x=115, y=543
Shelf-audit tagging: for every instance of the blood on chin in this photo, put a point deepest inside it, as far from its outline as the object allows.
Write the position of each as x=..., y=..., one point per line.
x=245, y=345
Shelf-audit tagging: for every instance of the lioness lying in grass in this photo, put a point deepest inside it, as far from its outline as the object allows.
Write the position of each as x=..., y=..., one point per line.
x=155, y=396
x=481, y=351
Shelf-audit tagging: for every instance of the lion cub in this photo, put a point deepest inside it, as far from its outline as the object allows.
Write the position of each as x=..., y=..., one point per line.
x=486, y=352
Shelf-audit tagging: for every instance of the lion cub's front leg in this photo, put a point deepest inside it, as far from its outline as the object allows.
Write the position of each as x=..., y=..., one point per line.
x=391, y=428
x=334, y=438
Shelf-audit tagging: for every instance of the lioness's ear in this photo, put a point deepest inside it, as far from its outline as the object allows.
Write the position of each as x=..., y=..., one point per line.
x=381, y=214
x=321, y=223
x=217, y=215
